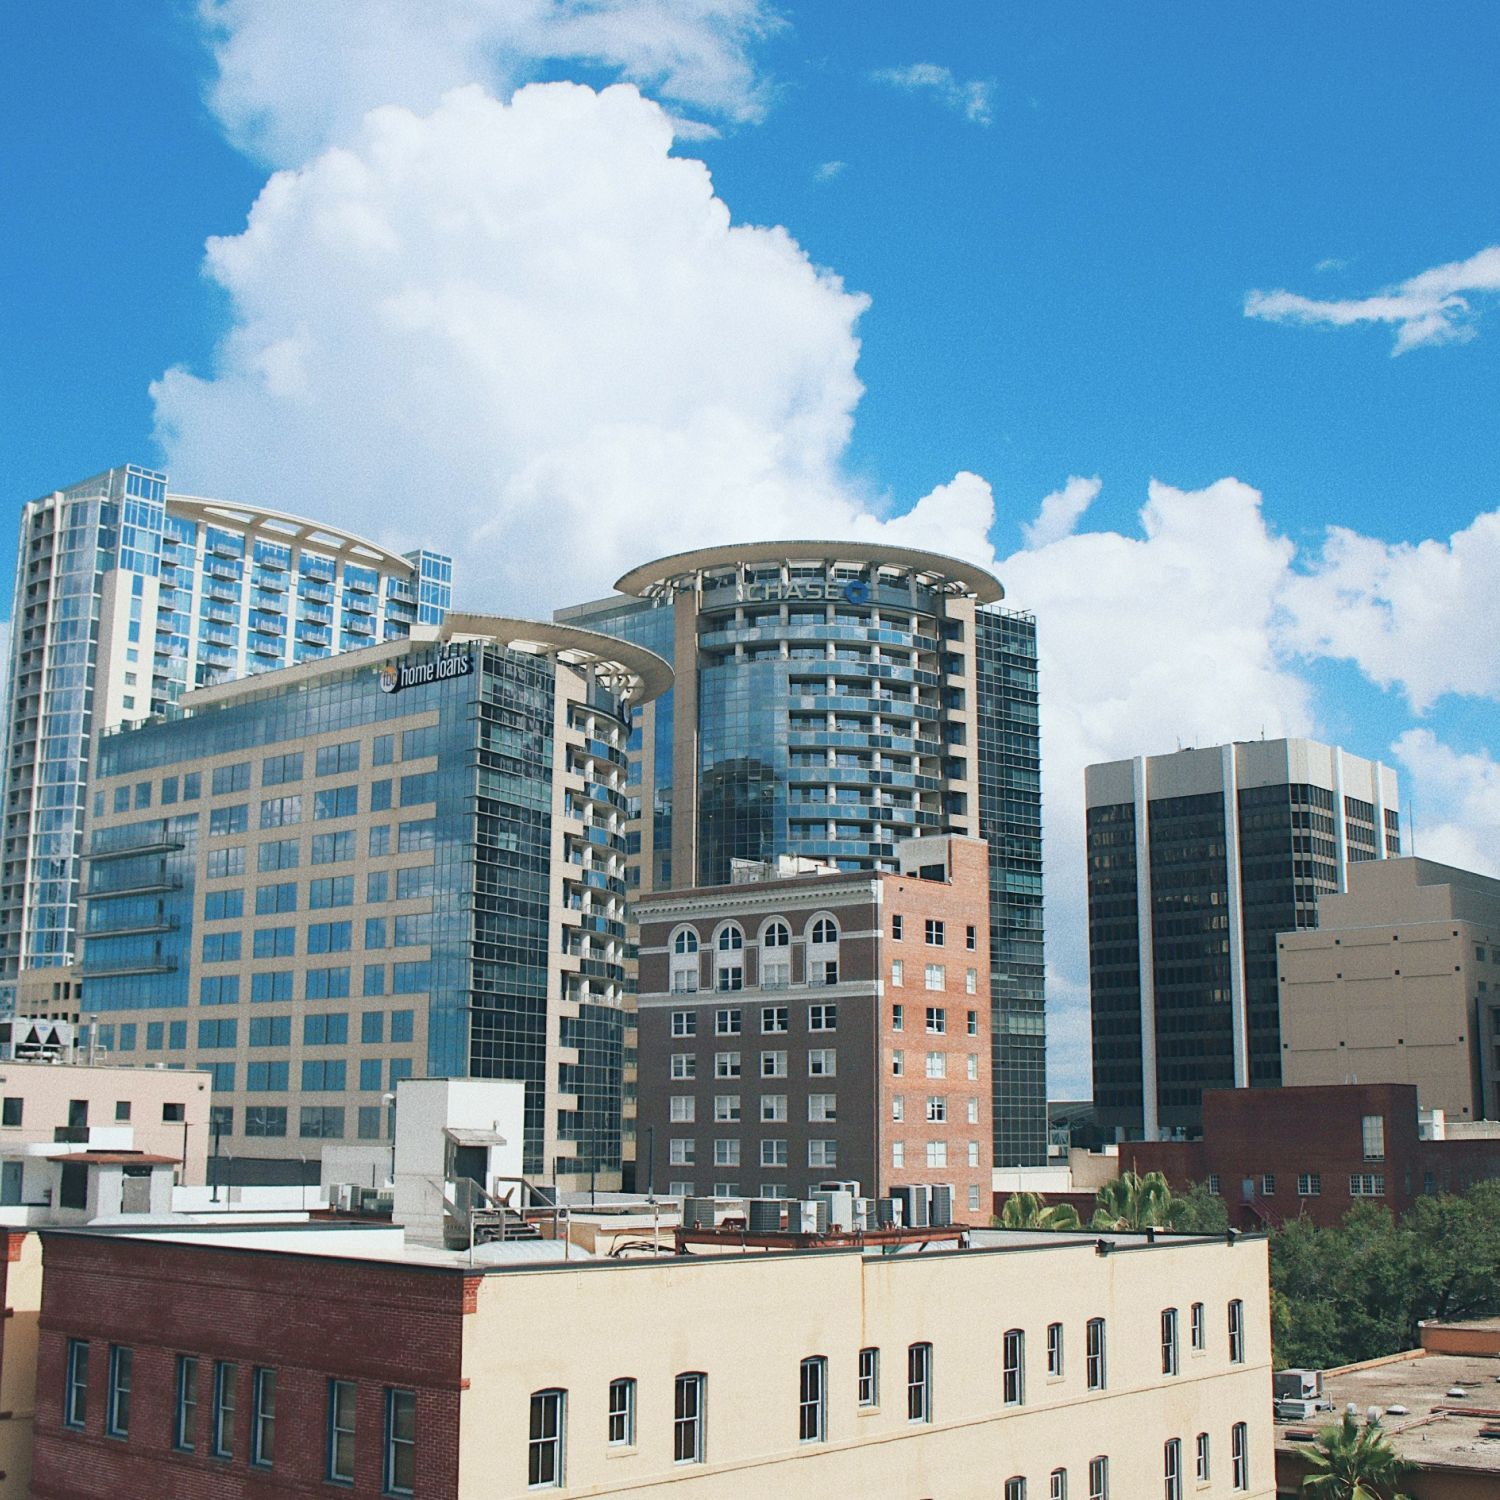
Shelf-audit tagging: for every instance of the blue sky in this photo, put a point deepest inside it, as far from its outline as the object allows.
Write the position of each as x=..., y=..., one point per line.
x=1057, y=219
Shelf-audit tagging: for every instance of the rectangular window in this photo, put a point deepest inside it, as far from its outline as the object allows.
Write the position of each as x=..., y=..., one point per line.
x=185, y=1422
x=684, y=1023
x=898, y=1154
x=280, y=812
x=1237, y=1332
x=898, y=974
x=1094, y=1355
x=336, y=890
x=682, y=1151
x=937, y=1153
x=687, y=1419
x=898, y=1063
x=773, y=1109
x=1054, y=1351
x=226, y=1376
x=1198, y=1324
x=937, y=1065
x=400, y=1440
x=1309, y=1184
x=727, y=1064
x=726, y=1107
x=1372, y=1136
x=773, y=1019
x=1013, y=1368
x=332, y=848
x=937, y=1109
x=937, y=1020
x=812, y=1402
x=1057, y=1488
x=869, y=1377
x=682, y=1109
x=341, y=1413
x=1169, y=1341
x=1171, y=1464
x=76, y=1384
x=896, y=928
x=1366, y=1185
x=622, y=1413
x=919, y=1383
x=822, y=1018
x=333, y=760
x=1268, y=1185
x=263, y=1418
x=684, y=1065
x=1201, y=1465
x=1239, y=1455
x=935, y=977
x=335, y=802
x=227, y=820
x=117, y=1412
x=823, y=1153
x=279, y=854
x=822, y=1062
x=933, y=932
x=277, y=770
x=1015, y=1488
x=726, y=1153
x=773, y=1154
x=772, y=1064
x=1098, y=1479
x=822, y=1108
x=235, y=778
x=727, y=1022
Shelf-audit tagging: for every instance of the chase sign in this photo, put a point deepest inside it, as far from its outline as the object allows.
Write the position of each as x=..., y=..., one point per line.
x=854, y=591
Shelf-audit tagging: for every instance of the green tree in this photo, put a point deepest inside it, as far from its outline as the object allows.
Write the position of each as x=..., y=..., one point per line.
x=1026, y=1210
x=1353, y=1461
x=1199, y=1211
x=1131, y=1201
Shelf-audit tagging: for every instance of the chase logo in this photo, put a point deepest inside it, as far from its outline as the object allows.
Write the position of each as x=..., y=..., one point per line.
x=857, y=591
x=390, y=678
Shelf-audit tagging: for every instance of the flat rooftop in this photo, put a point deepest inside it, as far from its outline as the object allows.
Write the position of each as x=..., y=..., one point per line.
x=1437, y=1430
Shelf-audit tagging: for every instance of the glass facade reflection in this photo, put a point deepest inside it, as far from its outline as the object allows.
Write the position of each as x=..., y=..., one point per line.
x=128, y=596
x=335, y=885
x=837, y=699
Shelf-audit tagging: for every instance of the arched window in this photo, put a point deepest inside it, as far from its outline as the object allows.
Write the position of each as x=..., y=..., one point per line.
x=776, y=955
x=823, y=950
x=684, y=963
x=729, y=961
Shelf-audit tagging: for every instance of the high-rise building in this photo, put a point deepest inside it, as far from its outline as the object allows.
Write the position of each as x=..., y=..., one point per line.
x=820, y=1025
x=407, y=860
x=830, y=699
x=128, y=596
x=1196, y=861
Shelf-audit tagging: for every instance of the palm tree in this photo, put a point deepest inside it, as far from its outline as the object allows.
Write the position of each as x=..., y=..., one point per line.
x=1032, y=1211
x=1134, y=1202
x=1353, y=1462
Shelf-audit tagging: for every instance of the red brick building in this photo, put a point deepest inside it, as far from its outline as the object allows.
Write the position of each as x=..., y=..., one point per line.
x=262, y=1340
x=1275, y=1154
x=820, y=1027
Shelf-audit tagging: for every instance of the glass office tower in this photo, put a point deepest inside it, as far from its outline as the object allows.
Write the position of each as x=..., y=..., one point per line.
x=407, y=860
x=1197, y=860
x=830, y=699
x=126, y=597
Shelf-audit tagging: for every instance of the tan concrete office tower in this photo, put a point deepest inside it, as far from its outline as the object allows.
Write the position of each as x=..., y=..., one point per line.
x=402, y=861
x=831, y=698
x=127, y=596
x=1399, y=983
x=1196, y=861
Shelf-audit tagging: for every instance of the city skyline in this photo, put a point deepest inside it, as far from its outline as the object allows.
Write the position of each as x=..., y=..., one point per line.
x=1064, y=257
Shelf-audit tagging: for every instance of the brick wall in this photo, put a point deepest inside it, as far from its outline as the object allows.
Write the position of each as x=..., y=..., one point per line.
x=310, y=1318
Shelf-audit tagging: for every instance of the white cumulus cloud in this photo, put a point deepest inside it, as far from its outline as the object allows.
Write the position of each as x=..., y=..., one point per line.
x=1434, y=307
x=528, y=334
x=293, y=78
x=973, y=98
x=1405, y=613
x=1061, y=511
x=1453, y=798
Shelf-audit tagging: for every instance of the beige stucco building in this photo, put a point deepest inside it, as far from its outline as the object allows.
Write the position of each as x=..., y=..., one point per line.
x=159, y=1111
x=1399, y=983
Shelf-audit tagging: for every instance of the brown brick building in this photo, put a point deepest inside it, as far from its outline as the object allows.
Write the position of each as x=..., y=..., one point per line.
x=1275, y=1154
x=820, y=1027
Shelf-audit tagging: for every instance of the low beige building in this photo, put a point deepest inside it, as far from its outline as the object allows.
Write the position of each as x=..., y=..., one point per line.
x=165, y=1111
x=1399, y=983
x=20, y=1312
x=1014, y=1366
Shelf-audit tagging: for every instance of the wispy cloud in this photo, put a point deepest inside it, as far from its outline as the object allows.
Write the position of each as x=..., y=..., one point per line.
x=1431, y=308
x=973, y=99
x=828, y=170
x=1061, y=511
x=1331, y=263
